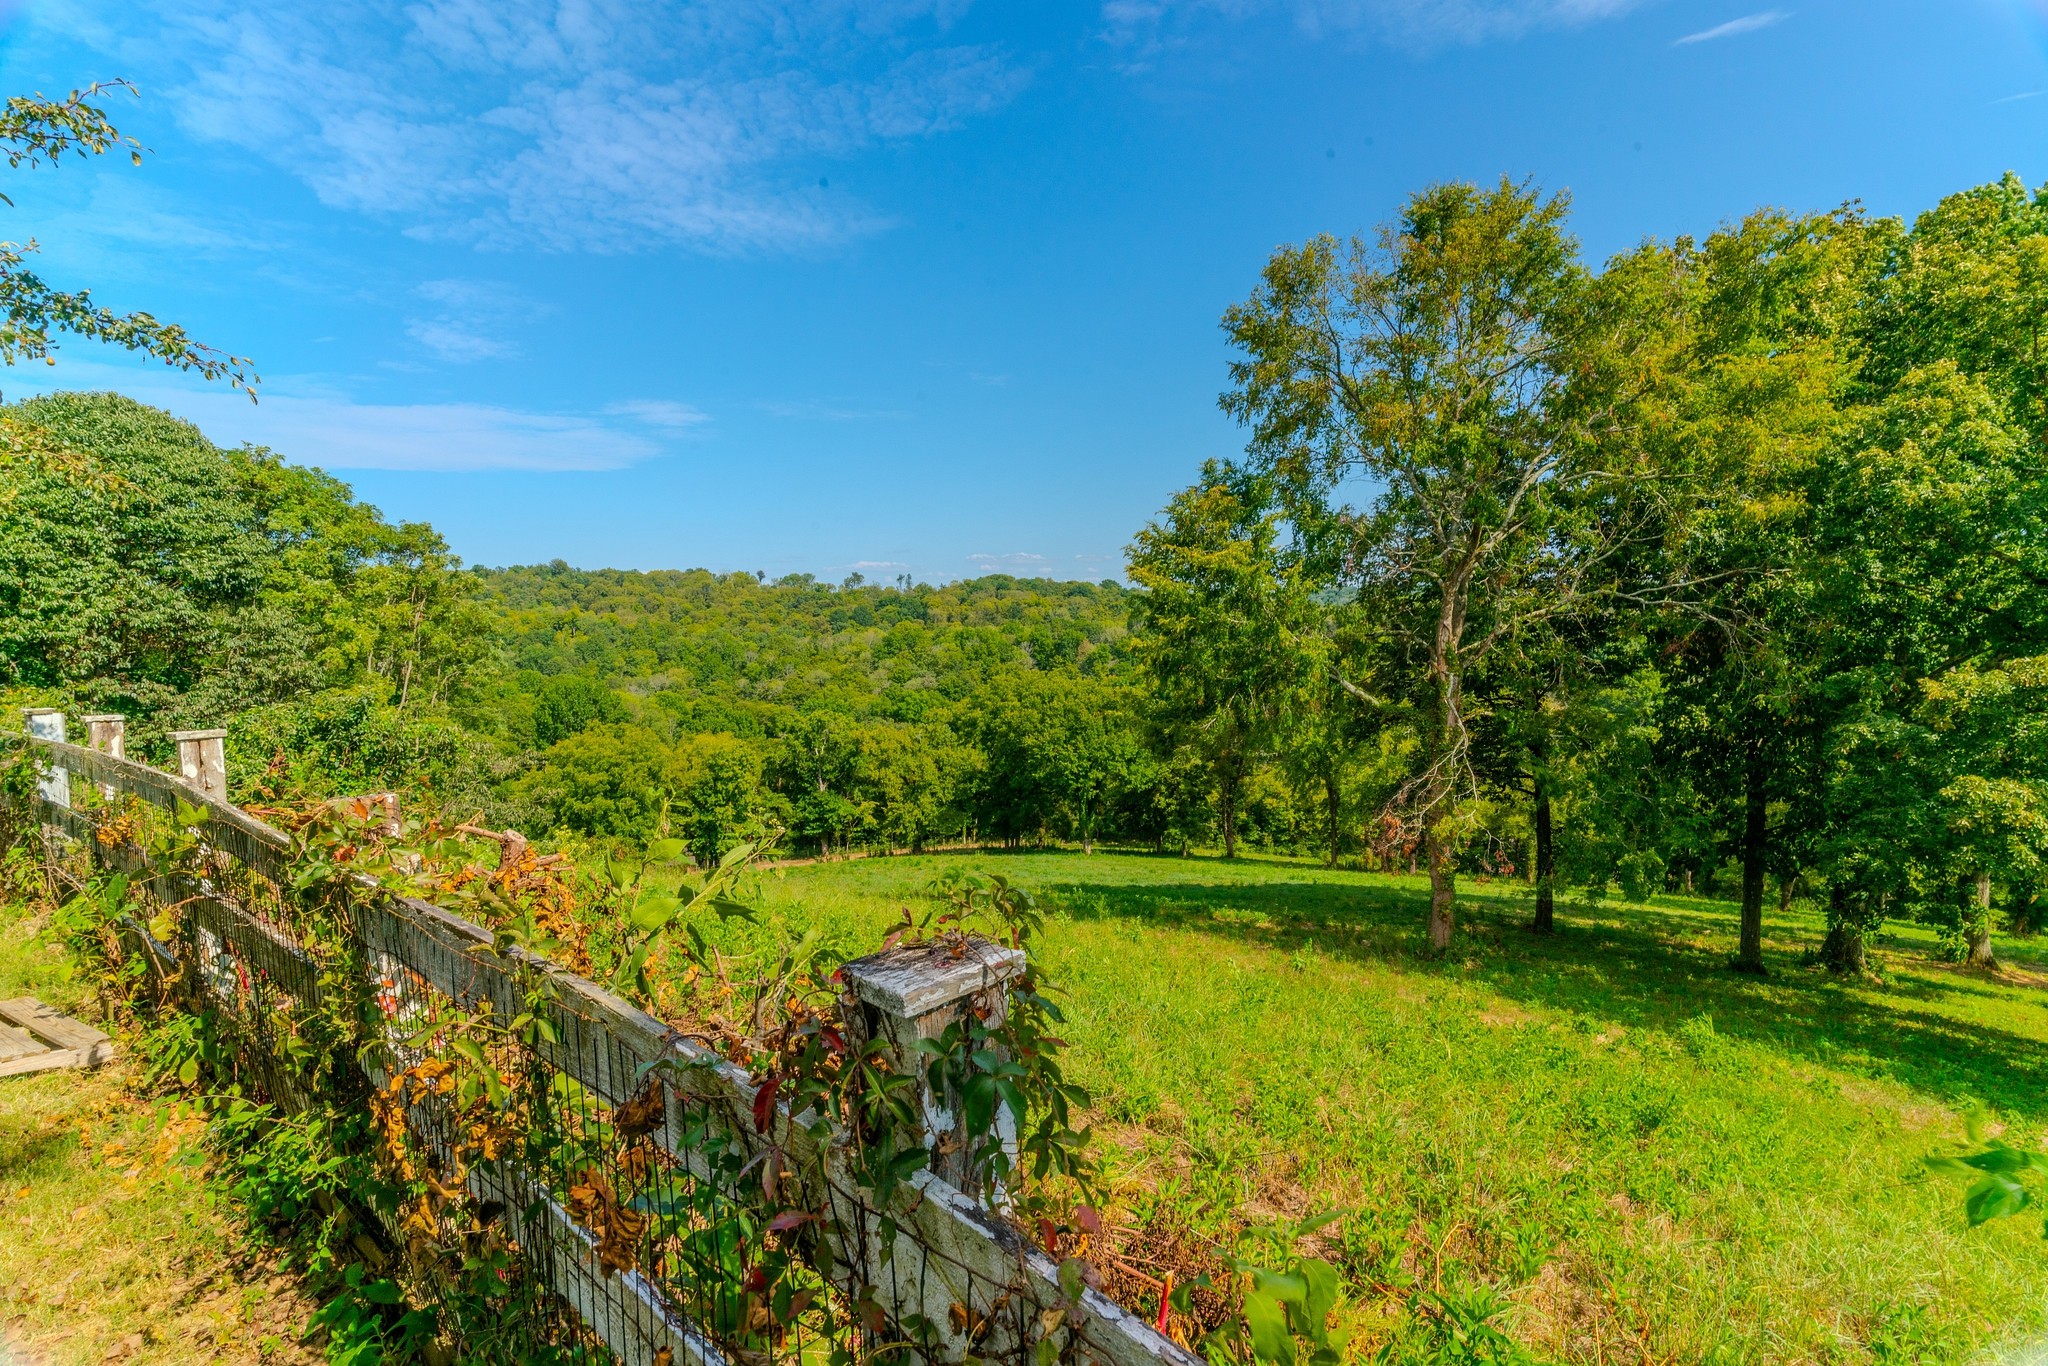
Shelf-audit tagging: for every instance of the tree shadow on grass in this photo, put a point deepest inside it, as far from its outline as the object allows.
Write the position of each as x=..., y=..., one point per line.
x=22, y=1153
x=1616, y=964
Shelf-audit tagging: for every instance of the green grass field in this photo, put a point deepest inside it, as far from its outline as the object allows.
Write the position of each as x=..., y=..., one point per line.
x=1646, y=1157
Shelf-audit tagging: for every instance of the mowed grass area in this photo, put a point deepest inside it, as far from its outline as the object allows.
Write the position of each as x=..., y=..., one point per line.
x=114, y=1245
x=1654, y=1159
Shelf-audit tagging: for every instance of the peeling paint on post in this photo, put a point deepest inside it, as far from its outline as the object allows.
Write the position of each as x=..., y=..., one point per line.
x=203, y=761
x=47, y=723
x=107, y=733
x=913, y=992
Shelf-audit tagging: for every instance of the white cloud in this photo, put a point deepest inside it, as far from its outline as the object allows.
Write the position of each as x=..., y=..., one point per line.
x=452, y=341
x=1015, y=560
x=440, y=436
x=1735, y=28
x=1149, y=25
x=470, y=320
x=808, y=411
x=660, y=412
x=568, y=124
x=865, y=565
x=314, y=422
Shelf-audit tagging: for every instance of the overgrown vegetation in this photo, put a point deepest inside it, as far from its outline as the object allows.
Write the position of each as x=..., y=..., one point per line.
x=360, y=1106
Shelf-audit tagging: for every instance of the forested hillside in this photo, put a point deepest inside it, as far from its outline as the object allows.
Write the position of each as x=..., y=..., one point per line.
x=1720, y=567
x=152, y=573
x=837, y=714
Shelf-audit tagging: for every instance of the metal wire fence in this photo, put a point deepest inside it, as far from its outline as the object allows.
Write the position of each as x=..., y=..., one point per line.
x=622, y=1162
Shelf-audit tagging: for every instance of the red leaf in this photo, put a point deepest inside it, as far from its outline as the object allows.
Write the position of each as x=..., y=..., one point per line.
x=789, y=1219
x=1088, y=1219
x=764, y=1103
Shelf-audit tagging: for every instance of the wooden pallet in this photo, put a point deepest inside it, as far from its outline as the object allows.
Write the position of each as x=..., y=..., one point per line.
x=35, y=1038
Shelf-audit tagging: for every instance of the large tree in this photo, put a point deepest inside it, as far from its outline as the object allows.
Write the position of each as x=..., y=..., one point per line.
x=1466, y=371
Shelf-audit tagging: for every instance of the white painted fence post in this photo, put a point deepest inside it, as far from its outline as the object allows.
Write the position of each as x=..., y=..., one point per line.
x=47, y=723
x=203, y=761
x=913, y=992
x=107, y=733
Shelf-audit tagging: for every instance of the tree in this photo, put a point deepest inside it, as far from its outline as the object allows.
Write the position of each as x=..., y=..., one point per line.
x=718, y=795
x=569, y=704
x=608, y=781
x=1462, y=362
x=1219, y=630
x=1931, y=521
x=1761, y=358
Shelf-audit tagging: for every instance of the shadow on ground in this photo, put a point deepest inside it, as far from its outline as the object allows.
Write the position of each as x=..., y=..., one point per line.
x=1643, y=969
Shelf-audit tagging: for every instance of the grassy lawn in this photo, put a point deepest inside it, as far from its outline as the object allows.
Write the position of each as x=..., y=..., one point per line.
x=1648, y=1157
x=113, y=1245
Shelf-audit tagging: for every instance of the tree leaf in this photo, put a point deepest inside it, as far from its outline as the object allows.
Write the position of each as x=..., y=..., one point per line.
x=1995, y=1197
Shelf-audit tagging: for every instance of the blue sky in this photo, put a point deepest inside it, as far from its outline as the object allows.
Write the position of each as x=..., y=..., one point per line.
x=900, y=286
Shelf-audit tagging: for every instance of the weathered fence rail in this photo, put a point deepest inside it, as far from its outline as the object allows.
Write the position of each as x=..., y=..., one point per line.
x=954, y=1280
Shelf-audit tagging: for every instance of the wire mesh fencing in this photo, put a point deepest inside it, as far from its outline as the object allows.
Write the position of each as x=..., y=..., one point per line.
x=616, y=1163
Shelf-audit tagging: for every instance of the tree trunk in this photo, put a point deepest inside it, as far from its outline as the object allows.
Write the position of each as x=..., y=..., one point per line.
x=1333, y=797
x=1546, y=865
x=1443, y=885
x=1229, y=795
x=1843, y=949
x=1688, y=882
x=1978, y=924
x=1749, y=955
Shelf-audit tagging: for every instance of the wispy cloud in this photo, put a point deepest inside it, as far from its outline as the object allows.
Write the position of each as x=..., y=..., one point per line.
x=808, y=411
x=310, y=421
x=660, y=412
x=1146, y=27
x=469, y=319
x=1016, y=560
x=2023, y=95
x=454, y=341
x=1735, y=28
x=337, y=434
x=597, y=125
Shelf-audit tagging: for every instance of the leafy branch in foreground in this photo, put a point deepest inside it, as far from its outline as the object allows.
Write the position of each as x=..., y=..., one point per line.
x=1997, y=1190
x=35, y=131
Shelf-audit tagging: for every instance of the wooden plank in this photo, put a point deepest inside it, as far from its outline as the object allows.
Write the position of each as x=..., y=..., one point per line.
x=16, y=1043
x=56, y=1030
x=41, y=1062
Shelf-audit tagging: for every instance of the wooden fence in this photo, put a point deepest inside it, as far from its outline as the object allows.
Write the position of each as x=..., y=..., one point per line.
x=954, y=1280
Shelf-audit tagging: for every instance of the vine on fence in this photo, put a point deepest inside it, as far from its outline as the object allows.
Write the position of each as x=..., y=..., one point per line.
x=476, y=1077
x=737, y=1236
